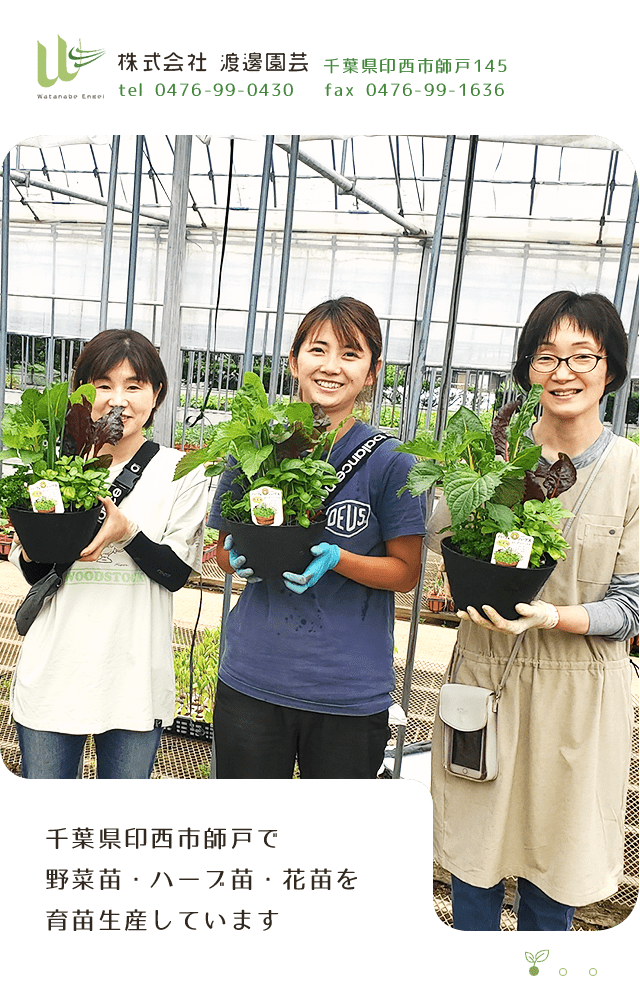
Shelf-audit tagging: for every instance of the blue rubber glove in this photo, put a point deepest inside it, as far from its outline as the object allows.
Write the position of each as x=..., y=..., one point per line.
x=237, y=562
x=326, y=556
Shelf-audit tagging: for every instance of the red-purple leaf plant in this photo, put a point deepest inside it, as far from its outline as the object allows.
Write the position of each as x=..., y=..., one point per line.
x=51, y=435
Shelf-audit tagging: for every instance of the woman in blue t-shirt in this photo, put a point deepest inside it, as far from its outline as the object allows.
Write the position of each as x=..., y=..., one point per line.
x=307, y=668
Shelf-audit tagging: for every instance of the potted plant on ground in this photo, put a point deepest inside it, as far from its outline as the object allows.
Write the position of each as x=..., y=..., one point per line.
x=278, y=451
x=6, y=537
x=209, y=547
x=436, y=597
x=51, y=439
x=494, y=485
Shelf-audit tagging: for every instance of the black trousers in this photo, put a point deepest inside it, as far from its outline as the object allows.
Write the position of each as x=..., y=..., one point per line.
x=255, y=739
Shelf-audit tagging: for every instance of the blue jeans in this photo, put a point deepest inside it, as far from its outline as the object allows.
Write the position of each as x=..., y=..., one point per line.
x=476, y=909
x=121, y=753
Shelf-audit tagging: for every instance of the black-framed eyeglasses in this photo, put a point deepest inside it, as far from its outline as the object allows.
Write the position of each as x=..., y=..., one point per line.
x=579, y=363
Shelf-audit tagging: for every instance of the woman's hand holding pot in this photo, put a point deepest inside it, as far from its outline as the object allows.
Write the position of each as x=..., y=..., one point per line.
x=538, y=614
x=326, y=556
x=116, y=527
x=237, y=563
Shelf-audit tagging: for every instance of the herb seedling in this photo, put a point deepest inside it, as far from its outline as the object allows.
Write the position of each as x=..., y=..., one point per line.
x=278, y=445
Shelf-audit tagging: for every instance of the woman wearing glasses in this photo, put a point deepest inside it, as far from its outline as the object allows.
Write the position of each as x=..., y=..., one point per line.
x=554, y=816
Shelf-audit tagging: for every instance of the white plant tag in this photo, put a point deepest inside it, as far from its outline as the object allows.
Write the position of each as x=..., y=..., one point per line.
x=512, y=549
x=46, y=497
x=266, y=505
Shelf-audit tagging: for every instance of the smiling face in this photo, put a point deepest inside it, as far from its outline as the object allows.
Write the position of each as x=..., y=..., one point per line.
x=566, y=394
x=121, y=387
x=332, y=374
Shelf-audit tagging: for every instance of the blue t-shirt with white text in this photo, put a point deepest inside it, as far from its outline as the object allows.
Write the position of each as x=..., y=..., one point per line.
x=331, y=648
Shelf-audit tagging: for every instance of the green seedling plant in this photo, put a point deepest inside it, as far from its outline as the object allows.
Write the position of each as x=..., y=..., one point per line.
x=540, y=956
x=196, y=676
x=493, y=480
x=51, y=435
x=279, y=445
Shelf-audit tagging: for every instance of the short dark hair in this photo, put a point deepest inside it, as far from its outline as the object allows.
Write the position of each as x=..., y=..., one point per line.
x=592, y=313
x=109, y=349
x=350, y=319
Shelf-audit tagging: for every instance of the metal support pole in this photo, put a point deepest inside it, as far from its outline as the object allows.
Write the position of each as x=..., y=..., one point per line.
x=441, y=415
x=24, y=177
x=284, y=267
x=170, y=353
x=627, y=245
x=108, y=233
x=618, y=298
x=622, y=395
x=247, y=362
x=443, y=402
x=135, y=224
x=420, y=343
x=4, y=285
x=350, y=187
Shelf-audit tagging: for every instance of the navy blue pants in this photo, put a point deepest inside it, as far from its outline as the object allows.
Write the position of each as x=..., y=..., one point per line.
x=476, y=909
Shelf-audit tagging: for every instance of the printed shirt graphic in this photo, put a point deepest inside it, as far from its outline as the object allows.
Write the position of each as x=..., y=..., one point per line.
x=99, y=656
x=331, y=648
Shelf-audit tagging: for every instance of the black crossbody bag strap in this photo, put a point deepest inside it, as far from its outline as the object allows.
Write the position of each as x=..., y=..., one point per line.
x=355, y=462
x=45, y=588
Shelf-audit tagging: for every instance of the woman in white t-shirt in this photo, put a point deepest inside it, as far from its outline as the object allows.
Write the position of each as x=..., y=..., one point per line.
x=98, y=658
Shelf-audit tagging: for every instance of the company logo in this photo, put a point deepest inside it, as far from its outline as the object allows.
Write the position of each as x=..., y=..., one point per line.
x=348, y=517
x=77, y=57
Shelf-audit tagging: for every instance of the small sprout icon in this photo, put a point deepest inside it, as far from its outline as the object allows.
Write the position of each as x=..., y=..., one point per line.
x=540, y=956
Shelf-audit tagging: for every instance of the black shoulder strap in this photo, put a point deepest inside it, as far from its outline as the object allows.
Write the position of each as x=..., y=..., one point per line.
x=356, y=460
x=125, y=481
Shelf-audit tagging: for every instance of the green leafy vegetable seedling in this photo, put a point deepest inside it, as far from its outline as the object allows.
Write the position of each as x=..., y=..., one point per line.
x=493, y=481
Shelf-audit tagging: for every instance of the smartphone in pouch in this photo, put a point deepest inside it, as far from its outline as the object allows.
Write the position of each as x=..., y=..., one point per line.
x=468, y=753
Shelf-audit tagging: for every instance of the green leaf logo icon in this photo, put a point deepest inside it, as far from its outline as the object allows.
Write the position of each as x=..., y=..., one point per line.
x=533, y=960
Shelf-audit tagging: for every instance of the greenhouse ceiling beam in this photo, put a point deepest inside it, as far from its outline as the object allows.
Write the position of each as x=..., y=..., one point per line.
x=24, y=178
x=170, y=353
x=350, y=187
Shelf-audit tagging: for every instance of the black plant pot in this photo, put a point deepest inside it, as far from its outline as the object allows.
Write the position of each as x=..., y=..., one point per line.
x=474, y=582
x=272, y=550
x=55, y=538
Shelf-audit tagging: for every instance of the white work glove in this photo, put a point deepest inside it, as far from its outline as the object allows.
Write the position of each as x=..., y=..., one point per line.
x=538, y=614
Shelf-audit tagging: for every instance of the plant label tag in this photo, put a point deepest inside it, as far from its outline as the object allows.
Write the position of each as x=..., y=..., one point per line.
x=266, y=505
x=46, y=497
x=512, y=549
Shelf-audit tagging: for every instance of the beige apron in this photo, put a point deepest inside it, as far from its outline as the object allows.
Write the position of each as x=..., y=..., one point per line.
x=555, y=813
